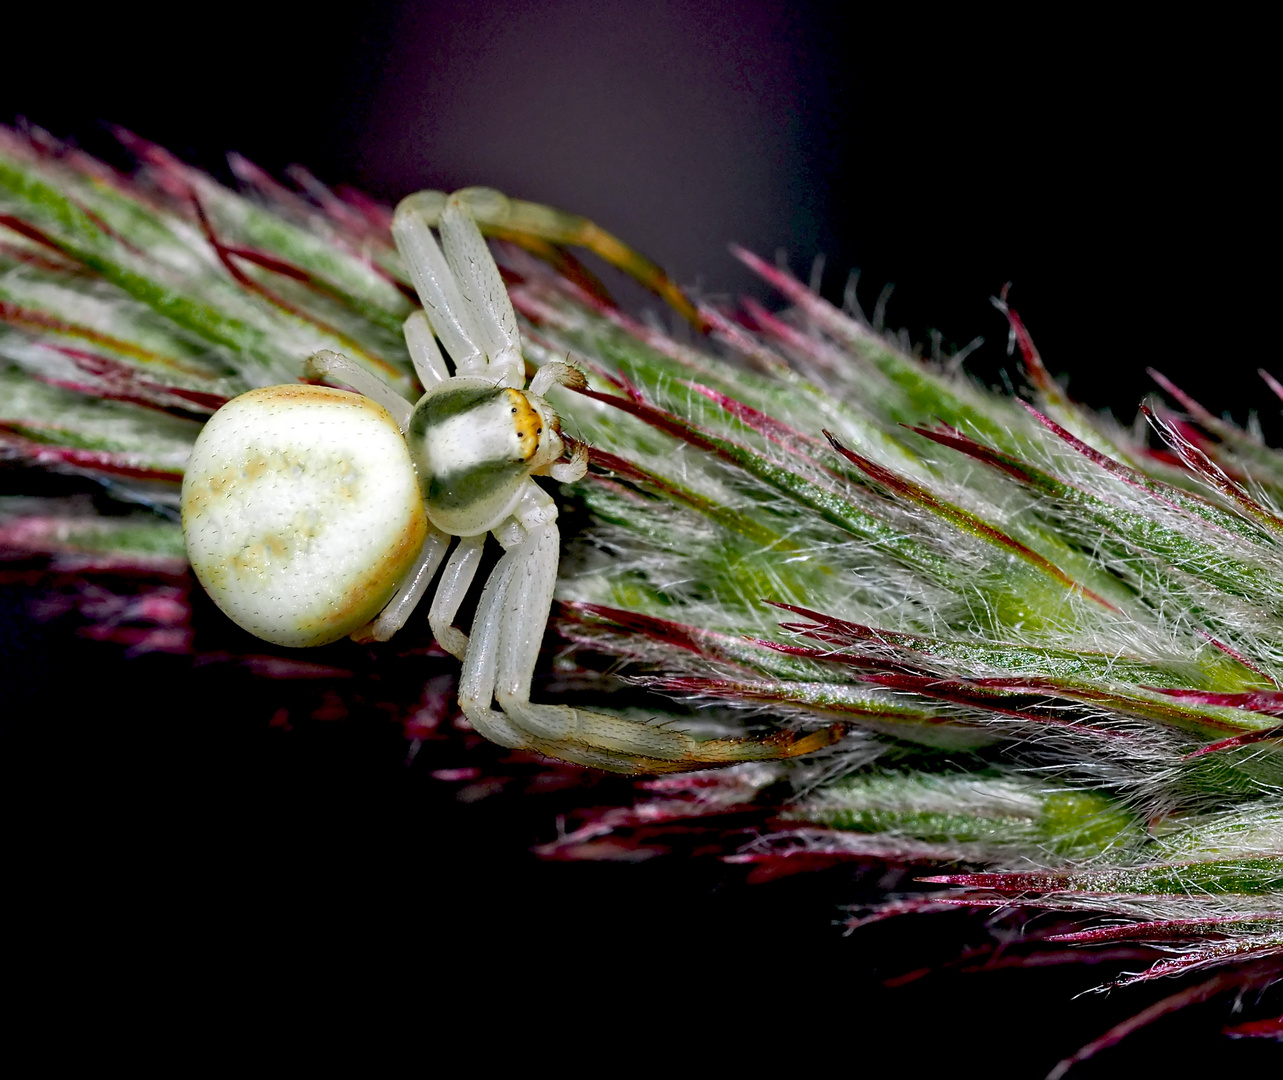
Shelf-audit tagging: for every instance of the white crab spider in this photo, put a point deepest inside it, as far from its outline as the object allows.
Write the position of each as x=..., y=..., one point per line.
x=312, y=513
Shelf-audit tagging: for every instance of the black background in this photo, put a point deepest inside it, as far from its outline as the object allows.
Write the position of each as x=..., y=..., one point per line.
x=1116, y=173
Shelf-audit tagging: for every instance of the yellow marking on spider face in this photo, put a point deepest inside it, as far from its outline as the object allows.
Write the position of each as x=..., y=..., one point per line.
x=526, y=422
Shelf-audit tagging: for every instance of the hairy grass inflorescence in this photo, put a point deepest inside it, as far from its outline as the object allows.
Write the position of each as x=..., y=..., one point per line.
x=1057, y=643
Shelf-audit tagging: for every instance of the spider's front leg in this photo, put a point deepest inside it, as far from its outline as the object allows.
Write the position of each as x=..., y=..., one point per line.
x=500, y=662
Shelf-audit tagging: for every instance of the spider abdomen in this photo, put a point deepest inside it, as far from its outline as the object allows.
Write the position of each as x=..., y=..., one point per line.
x=301, y=512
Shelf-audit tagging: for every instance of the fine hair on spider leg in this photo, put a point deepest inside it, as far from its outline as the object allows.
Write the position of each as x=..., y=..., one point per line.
x=461, y=462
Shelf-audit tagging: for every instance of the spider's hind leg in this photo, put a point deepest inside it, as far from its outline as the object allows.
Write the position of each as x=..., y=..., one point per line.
x=409, y=592
x=335, y=367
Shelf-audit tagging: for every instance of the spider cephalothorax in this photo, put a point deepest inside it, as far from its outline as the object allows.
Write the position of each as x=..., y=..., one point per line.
x=474, y=444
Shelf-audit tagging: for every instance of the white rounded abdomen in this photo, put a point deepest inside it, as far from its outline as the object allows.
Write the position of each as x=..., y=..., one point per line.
x=301, y=511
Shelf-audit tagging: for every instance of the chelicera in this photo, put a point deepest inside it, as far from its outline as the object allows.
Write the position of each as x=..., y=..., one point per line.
x=313, y=513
